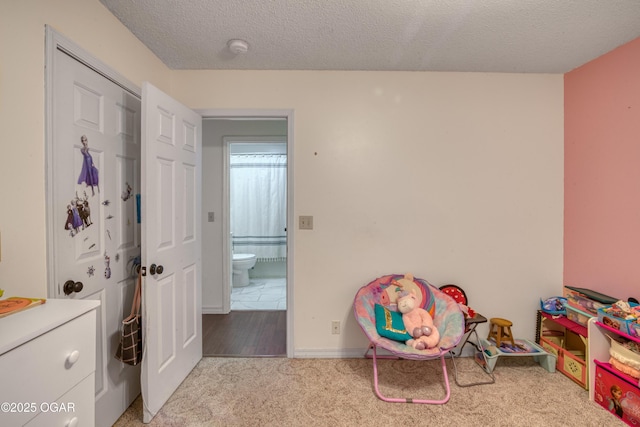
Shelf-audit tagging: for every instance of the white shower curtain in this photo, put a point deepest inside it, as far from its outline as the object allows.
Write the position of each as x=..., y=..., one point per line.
x=258, y=196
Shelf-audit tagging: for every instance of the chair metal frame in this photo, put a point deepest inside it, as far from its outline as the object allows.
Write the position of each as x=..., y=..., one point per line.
x=471, y=323
x=448, y=318
x=373, y=355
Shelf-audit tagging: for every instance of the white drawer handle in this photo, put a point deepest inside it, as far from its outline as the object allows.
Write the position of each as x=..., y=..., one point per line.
x=73, y=422
x=72, y=358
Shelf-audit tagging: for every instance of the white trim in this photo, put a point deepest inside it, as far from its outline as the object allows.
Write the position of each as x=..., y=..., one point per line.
x=226, y=232
x=54, y=42
x=290, y=232
x=213, y=310
x=249, y=141
x=319, y=353
x=226, y=250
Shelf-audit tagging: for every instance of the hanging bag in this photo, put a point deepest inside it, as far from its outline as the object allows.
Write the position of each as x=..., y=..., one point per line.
x=130, y=348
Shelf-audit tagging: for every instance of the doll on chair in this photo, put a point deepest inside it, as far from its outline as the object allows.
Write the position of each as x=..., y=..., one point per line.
x=418, y=322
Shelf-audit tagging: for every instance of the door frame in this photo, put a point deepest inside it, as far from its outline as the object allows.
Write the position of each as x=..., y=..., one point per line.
x=55, y=41
x=259, y=114
x=226, y=196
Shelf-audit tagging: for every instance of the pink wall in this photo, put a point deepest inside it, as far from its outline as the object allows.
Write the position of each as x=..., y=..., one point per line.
x=602, y=174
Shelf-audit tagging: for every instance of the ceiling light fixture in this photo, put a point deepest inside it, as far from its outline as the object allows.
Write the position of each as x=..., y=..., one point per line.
x=238, y=46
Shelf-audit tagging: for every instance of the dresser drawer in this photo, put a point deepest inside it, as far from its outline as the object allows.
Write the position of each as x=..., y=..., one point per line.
x=45, y=368
x=76, y=407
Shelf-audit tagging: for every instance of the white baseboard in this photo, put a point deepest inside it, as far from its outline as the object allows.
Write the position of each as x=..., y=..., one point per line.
x=337, y=353
x=353, y=353
x=212, y=310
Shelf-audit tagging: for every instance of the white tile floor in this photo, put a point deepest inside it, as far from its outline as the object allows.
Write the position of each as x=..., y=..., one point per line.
x=260, y=294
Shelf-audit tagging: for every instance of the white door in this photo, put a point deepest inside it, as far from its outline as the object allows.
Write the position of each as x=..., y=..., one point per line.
x=171, y=253
x=95, y=174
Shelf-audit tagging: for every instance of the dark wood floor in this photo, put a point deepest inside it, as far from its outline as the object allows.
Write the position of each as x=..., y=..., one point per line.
x=245, y=334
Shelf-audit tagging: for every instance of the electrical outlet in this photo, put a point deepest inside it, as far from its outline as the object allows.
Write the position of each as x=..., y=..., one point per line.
x=211, y=216
x=306, y=223
x=335, y=327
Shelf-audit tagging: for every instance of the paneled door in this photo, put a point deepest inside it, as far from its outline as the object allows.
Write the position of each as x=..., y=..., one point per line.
x=94, y=171
x=114, y=201
x=171, y=253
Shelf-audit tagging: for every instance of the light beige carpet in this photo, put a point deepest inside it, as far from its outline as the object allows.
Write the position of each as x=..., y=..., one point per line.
x=339, y=392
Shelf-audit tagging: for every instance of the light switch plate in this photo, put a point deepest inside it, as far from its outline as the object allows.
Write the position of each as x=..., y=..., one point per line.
x=306, y=223
x=211, y=216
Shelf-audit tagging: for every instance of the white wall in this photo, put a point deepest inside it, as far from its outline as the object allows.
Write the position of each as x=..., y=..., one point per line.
x=212, y=177
x=23, y=268
x=455, y=177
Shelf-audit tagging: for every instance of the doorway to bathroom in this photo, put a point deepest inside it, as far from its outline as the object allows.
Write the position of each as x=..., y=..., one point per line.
x=257, y=171
x=246, y=286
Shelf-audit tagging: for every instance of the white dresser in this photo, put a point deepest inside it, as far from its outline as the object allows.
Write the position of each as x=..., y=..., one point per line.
x=47, y=365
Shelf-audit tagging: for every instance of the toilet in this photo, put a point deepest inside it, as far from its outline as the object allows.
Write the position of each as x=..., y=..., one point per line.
x=241, y=265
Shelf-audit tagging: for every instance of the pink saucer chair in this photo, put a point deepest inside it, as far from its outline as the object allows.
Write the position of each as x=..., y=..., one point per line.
x=446, y=314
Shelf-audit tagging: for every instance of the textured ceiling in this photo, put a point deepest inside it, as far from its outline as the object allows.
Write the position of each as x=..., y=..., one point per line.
x=520, y=36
